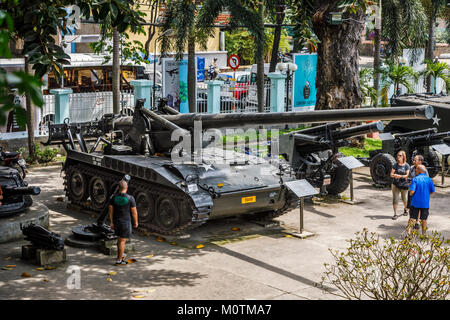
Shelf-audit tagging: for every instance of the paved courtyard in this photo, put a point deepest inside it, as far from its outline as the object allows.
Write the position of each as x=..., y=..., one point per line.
x=251, y=263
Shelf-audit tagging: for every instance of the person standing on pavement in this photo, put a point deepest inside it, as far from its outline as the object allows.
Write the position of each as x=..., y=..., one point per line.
x=400, y=185
x=417, y=161
x=421, y=189
x=121, y=208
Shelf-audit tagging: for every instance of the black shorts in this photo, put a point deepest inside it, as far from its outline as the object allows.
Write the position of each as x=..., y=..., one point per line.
x=414, y=213
x=123, y=229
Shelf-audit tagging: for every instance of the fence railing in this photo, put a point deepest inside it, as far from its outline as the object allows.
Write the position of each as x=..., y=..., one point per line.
x=86, y=106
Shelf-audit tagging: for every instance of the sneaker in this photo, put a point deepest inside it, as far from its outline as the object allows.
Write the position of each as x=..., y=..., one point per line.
x=122, y=262
x=405, y=212
x=395, y=217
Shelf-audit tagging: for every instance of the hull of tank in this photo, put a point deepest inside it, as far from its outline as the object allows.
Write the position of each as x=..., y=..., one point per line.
x=441, y=119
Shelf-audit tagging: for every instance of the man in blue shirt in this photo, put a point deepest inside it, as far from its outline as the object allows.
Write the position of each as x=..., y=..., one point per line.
x=421, y=189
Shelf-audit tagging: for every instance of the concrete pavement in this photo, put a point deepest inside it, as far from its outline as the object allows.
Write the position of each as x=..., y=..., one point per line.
x=252, y=263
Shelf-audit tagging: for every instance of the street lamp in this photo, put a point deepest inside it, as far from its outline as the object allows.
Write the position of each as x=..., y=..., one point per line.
x=168, y=32
x=288, y=69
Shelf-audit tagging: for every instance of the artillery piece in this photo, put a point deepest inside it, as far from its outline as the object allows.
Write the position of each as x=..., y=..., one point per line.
x=16, y=192
x=413, y=143
x=313, y=154
x=173, y=196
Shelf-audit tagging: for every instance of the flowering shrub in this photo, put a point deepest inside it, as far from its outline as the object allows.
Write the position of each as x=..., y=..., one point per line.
x=391, y=269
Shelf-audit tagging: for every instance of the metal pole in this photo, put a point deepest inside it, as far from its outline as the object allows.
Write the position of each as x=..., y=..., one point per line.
x=443, y=171
x=302, y=203
x=351, y=186
x=154, y=77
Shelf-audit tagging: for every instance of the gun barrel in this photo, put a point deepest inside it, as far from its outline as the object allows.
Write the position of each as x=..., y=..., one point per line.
x=320, y=130
x=359, y=130
x=319, y=116
x=301, y=139
x=16, y=191
x=416, y=133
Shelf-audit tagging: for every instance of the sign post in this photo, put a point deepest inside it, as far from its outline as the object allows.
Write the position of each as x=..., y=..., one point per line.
x=301, y=188
x=351, y=163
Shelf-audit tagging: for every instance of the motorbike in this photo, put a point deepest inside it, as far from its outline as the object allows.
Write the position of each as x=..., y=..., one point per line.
x=13, y=160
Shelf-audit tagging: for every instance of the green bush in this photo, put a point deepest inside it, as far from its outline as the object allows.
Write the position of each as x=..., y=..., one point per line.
x=42, y=156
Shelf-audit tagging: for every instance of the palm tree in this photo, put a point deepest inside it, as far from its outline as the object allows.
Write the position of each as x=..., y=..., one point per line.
x=403, y=26
x=396, y=74
x=368, y=91
x=437, y=70
x=243, y=12
x=432, y=9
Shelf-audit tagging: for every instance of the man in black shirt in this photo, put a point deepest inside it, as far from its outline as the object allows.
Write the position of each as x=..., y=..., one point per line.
x=120, y=208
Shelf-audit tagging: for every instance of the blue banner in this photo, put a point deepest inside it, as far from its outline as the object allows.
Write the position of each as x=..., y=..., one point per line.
x=304, y=97
x=183, y=72
x=200, y=69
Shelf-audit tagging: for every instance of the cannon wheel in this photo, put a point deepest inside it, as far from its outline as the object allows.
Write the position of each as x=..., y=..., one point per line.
x=98, y=191
x=77, y=185
x=167, y=214
x=380, y=168
x=431, y=162
x=340, y=179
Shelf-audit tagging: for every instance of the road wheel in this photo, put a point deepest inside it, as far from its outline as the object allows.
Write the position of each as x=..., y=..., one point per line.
x=98, y=191
x=145, y=206
x=167, y=214
x=380, y=168
x=77, y=186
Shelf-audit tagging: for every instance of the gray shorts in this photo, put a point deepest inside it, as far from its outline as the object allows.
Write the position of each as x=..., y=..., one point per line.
x=123, y=229
x=396, y=195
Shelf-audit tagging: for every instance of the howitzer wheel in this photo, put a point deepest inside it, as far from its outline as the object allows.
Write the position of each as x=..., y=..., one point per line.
x=340, y=178
x=77, y=185
x=98, y=191
x=380, y=168
x=431, y=161
x=145, y=206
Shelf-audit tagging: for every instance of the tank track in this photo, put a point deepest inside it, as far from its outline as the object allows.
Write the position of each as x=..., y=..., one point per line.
x=135, y=184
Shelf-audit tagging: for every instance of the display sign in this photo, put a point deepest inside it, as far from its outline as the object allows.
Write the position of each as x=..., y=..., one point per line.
x=301, y=188
x=234, y=62
x=443, y=149
x=350, y=162
x=304, y=82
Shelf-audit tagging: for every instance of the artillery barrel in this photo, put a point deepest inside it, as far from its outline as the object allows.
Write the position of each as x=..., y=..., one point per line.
x=431, y=138
x=301, y=139
x=320, y=130
x=17, y=191
x=416, y=133
x=319, y=116
x=359, y=130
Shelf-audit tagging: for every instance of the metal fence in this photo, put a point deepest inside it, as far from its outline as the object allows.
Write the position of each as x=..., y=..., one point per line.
x=86, y=106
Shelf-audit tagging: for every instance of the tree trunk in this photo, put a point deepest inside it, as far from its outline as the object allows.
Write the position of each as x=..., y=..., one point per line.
x=116, y=72
x=338, y=85
x=30, y=117
x=377, y=63
x=430, y=45
x=276, y=38
x=192, y=76
x=260, y=61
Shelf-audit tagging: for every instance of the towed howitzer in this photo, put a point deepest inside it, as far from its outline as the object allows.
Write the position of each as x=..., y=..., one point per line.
x=313, y=153
x=414, y=143
x=173, y=196
x=42, y=238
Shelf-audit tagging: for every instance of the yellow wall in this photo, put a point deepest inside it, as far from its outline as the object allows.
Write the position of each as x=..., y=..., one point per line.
x=212, y=44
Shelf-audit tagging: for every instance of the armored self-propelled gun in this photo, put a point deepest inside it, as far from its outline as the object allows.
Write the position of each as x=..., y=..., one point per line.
x=175, y=188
